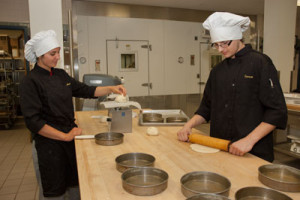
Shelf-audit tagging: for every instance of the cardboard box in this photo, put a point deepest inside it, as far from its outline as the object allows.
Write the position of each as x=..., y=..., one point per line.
x=14, y=43
x=5, y=43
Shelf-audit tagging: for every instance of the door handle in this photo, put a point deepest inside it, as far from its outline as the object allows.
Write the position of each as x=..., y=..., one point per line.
x=147, y=85
x=201, y=83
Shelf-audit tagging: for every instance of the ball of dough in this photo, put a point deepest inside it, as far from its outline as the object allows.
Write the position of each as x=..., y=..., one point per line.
x=121, y=99
x=152, y=131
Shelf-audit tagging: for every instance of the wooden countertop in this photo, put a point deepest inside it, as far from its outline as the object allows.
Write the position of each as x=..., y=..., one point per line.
x=293, y=107
x=99, y=179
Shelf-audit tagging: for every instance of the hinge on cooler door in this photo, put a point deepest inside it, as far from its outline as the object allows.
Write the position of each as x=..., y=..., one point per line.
x=146, y=46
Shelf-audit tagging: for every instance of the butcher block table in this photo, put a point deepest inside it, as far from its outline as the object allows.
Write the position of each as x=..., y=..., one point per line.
x=99, y=178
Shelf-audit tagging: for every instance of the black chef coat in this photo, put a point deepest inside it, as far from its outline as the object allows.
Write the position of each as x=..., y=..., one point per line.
x=240, y=94
x=46, y=98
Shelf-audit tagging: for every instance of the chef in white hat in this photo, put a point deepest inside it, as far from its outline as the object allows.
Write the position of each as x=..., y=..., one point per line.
x=243, y=99
x=46, y=102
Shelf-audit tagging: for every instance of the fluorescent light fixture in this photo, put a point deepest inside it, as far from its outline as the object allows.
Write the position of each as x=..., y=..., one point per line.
x=298, y=2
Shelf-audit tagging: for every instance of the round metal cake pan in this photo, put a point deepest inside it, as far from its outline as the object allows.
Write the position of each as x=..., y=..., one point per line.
x=203, y=182
x=144, y=181
x=131, y=160
x=152, y=115
x=280, y=177
x=208, y=197
x=109, y=138
x=153, y=118
x=176, y=119
x=253, y=193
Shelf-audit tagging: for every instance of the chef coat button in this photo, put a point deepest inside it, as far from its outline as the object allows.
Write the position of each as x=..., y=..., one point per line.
x=233, y=84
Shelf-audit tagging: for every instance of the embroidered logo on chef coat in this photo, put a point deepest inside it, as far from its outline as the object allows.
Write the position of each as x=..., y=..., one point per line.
x=68, y=84
x=247, y=76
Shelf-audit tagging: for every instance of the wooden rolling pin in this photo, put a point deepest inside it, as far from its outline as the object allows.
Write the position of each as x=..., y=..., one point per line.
x=209, y=141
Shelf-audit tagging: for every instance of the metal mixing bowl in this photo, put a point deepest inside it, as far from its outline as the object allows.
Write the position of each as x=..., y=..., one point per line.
x=144, y=181
x=203, y=182
x=130, y=160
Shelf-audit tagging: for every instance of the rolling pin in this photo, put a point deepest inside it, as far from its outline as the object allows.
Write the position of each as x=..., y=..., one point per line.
x=209, y=141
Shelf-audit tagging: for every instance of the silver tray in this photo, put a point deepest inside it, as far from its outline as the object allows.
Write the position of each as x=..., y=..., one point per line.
x=172, y=117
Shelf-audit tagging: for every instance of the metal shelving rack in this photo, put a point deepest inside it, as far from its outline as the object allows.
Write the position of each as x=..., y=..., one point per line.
x=7, y=90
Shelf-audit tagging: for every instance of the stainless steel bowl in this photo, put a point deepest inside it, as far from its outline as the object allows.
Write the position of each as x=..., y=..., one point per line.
x=259, y=193
x=109, y=138
x=280, y=177
x=144, y=181
x=202, y=182
x=176, y=119
x=208, y=197
x=130, y=160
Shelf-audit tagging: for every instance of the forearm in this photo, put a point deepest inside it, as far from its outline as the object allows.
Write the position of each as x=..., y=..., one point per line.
x=50, y=132
x=259, y=132
x=195, y=121
x=101, y=91
x=245, y=144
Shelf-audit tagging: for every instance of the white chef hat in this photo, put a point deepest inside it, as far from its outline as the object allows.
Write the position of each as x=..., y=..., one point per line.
x=39, y=44
x=225, y=26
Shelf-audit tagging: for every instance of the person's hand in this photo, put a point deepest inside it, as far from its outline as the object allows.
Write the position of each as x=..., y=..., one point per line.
x=71, y=135
x=241, y=147
x=183, y=134
x=118, y=89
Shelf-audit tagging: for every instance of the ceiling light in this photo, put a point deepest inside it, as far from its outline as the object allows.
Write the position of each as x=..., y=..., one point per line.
x=298, y=2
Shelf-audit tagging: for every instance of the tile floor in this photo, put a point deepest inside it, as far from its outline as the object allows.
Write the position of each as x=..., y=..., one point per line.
x=17, y=176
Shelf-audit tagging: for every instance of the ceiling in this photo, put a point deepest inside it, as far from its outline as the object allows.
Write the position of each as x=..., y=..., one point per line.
x=250, y=7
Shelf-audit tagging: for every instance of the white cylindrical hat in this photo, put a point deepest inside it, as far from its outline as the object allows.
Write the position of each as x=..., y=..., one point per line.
x=224, y=26
x=39, y=44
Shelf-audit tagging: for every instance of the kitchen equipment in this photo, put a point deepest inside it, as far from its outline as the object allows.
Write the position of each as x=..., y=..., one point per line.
x=131, y=160
x=259, y=193
x=98, y=80
x=144, y=181
x=295, y=146
x=208, y=197
x=172, y=117
x=209, y=141
x=121, y=120
x=106, y=138
x=203, y=182
x=280, y=177
x=120, y=115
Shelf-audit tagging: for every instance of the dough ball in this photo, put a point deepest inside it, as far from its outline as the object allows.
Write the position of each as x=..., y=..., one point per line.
x=203, y=149
x=152, y=131
x=121, y=99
